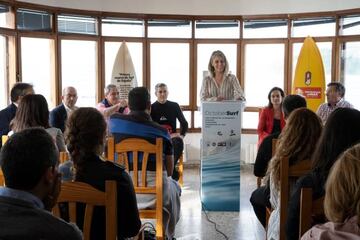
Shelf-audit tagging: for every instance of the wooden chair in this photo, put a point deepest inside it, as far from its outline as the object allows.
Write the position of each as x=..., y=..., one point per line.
x=78, y=192
x=110, y=156
x=273, y=149
x=134, y=146
x=308, y=209
x=63, y=157
x=287, y=173
x=4, y=138
x=2, y=180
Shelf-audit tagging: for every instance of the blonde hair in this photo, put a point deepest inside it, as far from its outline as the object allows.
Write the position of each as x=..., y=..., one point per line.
x=297, y=141
x=342, y=198
x=220, y=54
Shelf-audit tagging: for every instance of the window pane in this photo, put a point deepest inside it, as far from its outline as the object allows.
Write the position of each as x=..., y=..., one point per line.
x=350, y=72
x=170, y=65
x=136, y=51
x=33, y=20
x=3, y=73
x=250, y=120
x=79, y=69
x=187, y=115
x=265, y=28
x=38, y=66
x=350, y=25
x=313, y=27
x=77, y=24
x=264, y=69
x=325, y=49
x=217, y=29
x=6, y=17
x=204, y=52
x=169, y=28
x=198, y=119
x=122, y=27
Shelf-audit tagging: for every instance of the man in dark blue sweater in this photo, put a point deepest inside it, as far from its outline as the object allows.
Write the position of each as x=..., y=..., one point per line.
x=165, y=113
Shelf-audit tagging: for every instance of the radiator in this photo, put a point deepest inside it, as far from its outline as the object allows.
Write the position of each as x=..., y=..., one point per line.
x=250, y=152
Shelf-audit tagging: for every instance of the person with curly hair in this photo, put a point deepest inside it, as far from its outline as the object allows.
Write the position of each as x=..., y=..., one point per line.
x=85, y=137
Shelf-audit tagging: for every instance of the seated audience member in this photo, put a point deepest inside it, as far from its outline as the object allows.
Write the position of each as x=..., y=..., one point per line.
x=33, y=112
x=271, y=117
x=297, y=141
x=138, y=123
x=260, y=198
x=29, y=163
x=290, y=103
x=342, y=130
x=165, y=113
x=111, y=103
x=342, y=200
x=18, y=91
x=335, y=93
x=85, y=136
x=59, y=114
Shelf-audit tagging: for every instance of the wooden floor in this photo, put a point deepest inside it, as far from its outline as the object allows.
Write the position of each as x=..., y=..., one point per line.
x=193, y=223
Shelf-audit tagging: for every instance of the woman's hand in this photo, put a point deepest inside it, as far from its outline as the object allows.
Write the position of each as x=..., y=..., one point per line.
x=220, y=98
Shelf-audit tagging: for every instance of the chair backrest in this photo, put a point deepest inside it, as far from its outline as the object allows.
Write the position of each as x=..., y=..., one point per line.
x=79, y=192
x=273, y=149
x=63, y=157
x=287, y=172
x=134, y=146
x=2, y=180
x=309, y=208
x=4, y=138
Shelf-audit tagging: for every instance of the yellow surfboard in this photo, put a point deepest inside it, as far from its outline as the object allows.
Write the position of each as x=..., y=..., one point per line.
x=309, y=78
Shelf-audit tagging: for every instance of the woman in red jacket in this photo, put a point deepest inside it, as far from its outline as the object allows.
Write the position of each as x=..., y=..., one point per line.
x=271, y=117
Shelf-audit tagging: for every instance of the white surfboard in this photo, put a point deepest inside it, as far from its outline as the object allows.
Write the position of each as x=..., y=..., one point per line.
x=123, y=74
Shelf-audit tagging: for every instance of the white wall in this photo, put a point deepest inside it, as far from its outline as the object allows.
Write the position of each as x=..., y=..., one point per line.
x=204, y=7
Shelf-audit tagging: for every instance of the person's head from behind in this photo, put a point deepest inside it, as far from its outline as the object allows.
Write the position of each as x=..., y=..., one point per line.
x=32, y=112
x=342, y=130
x=342, y=198
x=19, y=90
x=292, y=102
x=161, y=92
x=275, y=96
x=218, y=63
x=69, y=96
x=139, y=99
x=85, y=134
x=297, y=140
x=111, y=94
x=29, y=161
x=335, y=92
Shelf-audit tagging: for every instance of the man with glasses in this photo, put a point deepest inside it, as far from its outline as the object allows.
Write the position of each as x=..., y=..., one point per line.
x=59, y=114
x=335, y=93
x=112, y=103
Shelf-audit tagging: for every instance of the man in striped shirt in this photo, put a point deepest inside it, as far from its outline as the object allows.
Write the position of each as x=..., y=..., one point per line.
x=335, y=93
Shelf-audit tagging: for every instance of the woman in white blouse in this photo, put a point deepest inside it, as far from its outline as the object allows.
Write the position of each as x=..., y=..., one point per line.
x=220, y=84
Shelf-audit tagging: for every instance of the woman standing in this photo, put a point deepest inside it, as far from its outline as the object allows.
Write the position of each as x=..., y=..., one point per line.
x=271, y=117
x=220, y=84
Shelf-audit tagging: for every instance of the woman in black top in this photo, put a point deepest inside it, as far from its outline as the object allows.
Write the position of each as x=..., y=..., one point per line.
x=85, y=136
